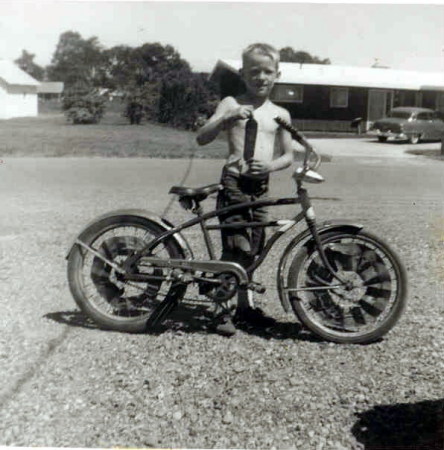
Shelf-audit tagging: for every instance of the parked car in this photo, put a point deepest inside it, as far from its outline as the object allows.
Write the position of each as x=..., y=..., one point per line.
x=409, y=123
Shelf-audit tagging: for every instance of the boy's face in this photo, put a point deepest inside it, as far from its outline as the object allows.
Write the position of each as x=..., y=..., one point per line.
x=259, y=73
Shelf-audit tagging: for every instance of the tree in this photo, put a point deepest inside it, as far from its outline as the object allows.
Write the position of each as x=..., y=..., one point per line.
x=26, y=63
x=145, y=75
x=76, y=60
x=118, y=67
x=288, y=54
x=185, y=96
x=124, y=66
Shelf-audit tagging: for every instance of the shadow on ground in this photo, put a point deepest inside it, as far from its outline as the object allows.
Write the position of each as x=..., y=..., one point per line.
x=404, y=426
x=433, y=154
x=196, y=319
x=72, y=318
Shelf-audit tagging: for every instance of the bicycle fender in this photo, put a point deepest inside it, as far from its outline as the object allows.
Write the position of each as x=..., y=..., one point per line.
x=145, y=214
x=303, y=239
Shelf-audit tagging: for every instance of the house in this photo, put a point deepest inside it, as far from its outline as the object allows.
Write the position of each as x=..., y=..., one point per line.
x=18, y=92
x=50, y=89
x=329, y=97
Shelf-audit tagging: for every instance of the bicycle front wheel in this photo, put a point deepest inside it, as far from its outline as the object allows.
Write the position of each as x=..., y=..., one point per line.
x=366, y=306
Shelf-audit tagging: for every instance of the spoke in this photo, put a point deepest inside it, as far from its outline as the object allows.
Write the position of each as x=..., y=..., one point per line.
x=349, y=323
x=348, y=255
x=380, y=275
x=357, y=315
x=347, y=249
x=106, y=250
x=318, y=273
x=375, y=272
x=369, y=257
x=370, y=307
x=98, y=269
x=379, y=293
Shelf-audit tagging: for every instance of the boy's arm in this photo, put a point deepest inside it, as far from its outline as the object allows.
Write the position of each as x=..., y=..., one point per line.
x=226, y=113
x=285, y=144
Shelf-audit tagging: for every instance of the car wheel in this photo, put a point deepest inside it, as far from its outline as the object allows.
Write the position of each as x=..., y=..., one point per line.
x=414, y=138
x=382, y=138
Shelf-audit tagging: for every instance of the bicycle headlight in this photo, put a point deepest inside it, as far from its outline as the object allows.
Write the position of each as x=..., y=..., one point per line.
x=310, y=176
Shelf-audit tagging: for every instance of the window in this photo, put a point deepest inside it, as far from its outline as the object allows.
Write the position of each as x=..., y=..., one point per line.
x=339, y=98
x=288, y=93
x=440, y=102
x=400, y=114
x=423, y=116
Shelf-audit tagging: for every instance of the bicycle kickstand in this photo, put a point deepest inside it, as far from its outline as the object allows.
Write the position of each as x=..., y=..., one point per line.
x=162, y=310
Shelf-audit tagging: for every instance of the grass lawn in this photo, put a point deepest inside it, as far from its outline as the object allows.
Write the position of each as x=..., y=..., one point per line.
x=50, y=135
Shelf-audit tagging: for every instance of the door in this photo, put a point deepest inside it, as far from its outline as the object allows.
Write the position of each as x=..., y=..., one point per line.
x=423, y=125
x=379, y=103
x=436, y=126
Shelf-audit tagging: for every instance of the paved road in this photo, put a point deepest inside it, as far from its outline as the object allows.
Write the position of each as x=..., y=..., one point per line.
x=369, y=149
x=44, y=202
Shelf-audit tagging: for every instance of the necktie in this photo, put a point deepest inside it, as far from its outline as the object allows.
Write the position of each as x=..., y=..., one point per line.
x=250, y=138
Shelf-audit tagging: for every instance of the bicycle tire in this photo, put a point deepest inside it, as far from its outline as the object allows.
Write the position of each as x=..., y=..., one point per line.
x=365, y=316
x=97, y=290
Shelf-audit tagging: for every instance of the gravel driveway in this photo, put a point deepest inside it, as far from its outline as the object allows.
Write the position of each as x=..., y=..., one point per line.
x=66, y=383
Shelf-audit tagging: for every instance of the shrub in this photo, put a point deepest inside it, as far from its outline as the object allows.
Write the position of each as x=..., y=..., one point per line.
x=84, y=106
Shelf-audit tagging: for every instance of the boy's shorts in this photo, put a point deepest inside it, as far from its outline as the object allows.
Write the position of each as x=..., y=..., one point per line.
x=242, y=245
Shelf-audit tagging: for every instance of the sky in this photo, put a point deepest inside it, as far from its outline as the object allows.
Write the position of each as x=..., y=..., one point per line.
x=401, y=36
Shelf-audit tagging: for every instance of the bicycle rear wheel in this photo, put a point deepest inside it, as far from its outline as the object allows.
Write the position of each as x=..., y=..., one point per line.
x=102, y=293
x=362, y=311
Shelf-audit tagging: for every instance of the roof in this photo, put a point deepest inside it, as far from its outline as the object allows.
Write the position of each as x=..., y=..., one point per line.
x=12, y=74
x=50, y=87
x=331, y=75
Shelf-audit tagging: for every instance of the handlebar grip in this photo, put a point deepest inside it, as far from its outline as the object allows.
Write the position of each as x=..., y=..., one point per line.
x=295, y=134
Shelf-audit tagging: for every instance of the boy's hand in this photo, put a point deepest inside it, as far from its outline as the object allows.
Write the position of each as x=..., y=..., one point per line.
x=258, y=167
x=240, y=113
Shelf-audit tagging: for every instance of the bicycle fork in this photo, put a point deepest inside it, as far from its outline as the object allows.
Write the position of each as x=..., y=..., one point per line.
x=310, y=219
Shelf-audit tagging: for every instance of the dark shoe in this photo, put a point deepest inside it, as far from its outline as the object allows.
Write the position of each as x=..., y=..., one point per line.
x=254, y=316
x=224, y=326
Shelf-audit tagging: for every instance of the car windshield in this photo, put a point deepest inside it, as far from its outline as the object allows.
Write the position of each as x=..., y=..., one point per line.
x=400, y=114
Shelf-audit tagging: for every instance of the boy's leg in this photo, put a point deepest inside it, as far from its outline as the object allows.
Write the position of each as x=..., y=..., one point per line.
x=258, y=189
x=235, y=244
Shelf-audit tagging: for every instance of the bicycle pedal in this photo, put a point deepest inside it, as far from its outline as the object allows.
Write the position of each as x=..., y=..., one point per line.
x=257, y=287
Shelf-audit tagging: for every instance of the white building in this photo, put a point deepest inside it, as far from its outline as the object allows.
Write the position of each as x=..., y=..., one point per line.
x=18, y=92
x=50, y=89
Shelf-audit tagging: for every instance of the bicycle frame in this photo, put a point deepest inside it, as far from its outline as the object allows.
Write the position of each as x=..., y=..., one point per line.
x=202, y=219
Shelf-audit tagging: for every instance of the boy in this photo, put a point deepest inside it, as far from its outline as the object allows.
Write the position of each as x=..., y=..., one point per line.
x=246, y=180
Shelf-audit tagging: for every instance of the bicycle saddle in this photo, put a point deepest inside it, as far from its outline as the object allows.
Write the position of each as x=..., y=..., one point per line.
x=199, y=194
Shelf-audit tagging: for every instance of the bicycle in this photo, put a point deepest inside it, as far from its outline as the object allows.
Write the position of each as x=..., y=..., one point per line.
x=129, y=269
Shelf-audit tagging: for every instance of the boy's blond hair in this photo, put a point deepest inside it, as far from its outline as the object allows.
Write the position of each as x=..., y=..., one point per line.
x=261, y=49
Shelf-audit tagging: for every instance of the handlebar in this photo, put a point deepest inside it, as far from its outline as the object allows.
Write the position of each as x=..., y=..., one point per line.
x=299, y=137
